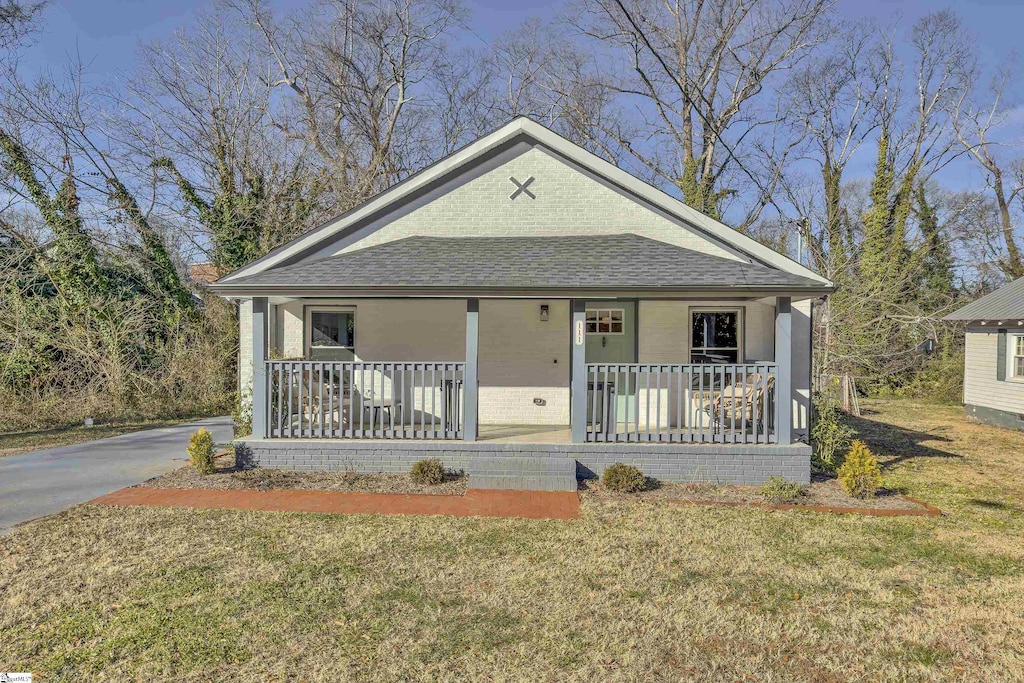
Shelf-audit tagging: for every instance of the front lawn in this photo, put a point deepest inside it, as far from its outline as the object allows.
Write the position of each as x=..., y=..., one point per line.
x=629, y=592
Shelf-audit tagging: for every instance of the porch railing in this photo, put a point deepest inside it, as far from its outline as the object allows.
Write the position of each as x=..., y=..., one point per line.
x=364, y=400
x=701, y=403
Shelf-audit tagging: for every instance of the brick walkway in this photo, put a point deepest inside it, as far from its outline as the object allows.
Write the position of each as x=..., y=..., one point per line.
x=476, y=502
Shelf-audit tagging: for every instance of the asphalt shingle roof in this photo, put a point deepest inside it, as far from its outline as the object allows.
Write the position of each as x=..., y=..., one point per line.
x=589, y=261
x=1003, y=304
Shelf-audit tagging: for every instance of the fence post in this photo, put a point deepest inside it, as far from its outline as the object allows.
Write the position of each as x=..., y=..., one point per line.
x=472, y=377
x=259, y=367
x=784, y=370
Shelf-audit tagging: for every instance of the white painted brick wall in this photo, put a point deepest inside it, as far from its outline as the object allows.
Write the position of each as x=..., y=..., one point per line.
x=517, y=350
x=518, y=355
x=567, y=203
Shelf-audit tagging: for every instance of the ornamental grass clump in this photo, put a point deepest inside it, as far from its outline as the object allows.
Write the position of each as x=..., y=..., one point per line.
x=623, y=478
x=860, y=475
x=780, y=490
x=428, y=472
x=200, y=451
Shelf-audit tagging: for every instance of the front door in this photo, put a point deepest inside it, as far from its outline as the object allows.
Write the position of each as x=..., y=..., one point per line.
x=611, y=338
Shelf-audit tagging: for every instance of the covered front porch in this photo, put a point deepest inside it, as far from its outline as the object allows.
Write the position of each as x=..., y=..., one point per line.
x=524, y=370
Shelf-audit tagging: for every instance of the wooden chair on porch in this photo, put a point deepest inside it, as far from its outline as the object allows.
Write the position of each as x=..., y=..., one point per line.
x=731, y=405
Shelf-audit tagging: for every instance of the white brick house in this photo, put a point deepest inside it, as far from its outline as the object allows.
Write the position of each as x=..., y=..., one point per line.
x=523, y=295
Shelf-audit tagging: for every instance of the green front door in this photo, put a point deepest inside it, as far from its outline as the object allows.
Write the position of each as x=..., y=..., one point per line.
x=611, y=338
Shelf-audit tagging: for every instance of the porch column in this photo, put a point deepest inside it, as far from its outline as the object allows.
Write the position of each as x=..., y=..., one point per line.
x=471, y=402
x=784, y=370
x=259, y=367
x=578, y=407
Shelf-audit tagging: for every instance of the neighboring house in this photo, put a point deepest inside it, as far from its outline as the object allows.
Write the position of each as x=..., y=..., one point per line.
x=525, y=297
x=994, y=356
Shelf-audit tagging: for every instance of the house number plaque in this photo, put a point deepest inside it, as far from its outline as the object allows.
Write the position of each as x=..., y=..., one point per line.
x=579, y=332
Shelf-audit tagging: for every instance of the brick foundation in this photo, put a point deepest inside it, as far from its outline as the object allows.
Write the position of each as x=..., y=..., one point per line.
x=719, y=463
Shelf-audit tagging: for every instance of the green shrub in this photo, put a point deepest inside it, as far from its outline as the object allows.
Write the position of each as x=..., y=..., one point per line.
x=860, y=475
x=624, y=478
x=428, y=471
x=830, y=438
x=200, y=451
x=779, y=490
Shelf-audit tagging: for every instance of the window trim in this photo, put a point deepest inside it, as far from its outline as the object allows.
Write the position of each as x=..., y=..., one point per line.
x=1011, y=355
x=611, y=311
x=740, y=312
x=307, y=327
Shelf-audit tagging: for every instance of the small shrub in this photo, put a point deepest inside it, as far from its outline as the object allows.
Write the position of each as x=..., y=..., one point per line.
x=623, y=478
x=428, y=471
x=830, y=438
x=860, y=476
x=779, y=490
x=200, y=451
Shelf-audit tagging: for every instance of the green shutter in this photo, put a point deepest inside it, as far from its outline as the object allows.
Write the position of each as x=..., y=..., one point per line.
x=1001, y=355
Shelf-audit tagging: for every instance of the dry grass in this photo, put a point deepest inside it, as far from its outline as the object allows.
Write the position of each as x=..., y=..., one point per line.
x=14, y=443
x=226, y=476
x=629, y=592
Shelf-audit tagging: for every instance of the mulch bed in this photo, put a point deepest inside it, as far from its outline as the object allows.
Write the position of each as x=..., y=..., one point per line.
x=228, y=477
x=823, y=495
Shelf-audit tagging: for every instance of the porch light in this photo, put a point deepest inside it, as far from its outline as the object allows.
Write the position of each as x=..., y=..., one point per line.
x=545, y=312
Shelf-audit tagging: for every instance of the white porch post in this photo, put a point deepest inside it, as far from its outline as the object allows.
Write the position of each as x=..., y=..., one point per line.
x=471, y=402
x=578, y=407
x=259, y=367
x=784, y=370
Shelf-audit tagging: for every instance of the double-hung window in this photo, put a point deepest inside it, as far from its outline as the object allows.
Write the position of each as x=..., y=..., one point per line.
x=715, y=336
x=330, y=333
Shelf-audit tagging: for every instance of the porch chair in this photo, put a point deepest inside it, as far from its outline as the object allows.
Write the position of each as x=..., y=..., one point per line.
x=311, y=409
x=723, y=408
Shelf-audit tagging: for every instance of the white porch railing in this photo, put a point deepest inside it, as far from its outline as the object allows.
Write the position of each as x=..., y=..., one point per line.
x=364, y=400
x=680, y=403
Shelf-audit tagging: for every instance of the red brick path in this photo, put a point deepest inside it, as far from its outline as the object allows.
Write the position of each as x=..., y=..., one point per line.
x=476, y=502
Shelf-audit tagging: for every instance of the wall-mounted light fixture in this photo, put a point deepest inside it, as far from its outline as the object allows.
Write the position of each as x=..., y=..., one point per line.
x=545, y=312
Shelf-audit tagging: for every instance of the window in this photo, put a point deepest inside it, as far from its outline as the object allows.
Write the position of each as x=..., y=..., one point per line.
x=1016, y=356
x=715, y=336
x=330, y=333
x=605, y=321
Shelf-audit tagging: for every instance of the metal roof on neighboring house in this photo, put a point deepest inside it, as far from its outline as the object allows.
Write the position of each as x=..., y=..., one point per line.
x=624, y=261
x=1005, y=303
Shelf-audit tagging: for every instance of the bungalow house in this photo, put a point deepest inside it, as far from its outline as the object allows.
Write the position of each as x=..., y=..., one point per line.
x=523, y=299
x=994, y=356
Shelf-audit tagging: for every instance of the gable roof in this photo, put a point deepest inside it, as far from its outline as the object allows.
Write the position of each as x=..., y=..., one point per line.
x=519, y=129
x=606, y=262
x=1005, y=303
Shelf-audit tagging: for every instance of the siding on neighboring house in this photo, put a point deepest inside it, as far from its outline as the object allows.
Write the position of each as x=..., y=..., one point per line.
x=981, y=384
x=567, y=202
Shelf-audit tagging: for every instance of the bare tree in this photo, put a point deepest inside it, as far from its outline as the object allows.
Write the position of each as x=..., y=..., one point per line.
x=199, y=112
x=694, y=86
x=360, y=76
x=836, y=103
x=17, y=20
x=975, y=121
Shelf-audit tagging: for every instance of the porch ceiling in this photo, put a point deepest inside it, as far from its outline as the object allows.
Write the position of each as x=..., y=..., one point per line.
x=591, y=262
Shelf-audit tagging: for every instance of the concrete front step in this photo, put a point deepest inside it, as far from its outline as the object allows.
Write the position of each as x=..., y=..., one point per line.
x=522, y=474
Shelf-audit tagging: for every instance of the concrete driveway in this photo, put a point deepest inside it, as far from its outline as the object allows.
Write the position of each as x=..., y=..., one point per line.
x=44, y=482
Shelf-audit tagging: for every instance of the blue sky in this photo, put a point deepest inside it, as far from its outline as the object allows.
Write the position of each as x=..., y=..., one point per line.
x=106, y=34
